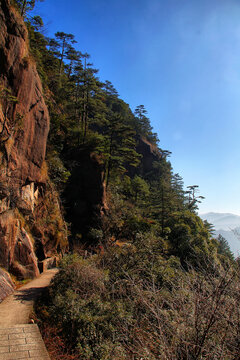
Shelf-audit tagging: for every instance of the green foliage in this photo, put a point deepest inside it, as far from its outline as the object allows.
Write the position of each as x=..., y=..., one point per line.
x=10, y=124
x=223, y=247
x=25, y=6
x=57, y=171
x=95, y=235
x=61, y=46
x=120, y=146
x=77, y=306
x=134, y=303
x=189, y=238
x=143, y=126
x=6, y=96
x=193, y=199
x=140, y=188
x=37, y=22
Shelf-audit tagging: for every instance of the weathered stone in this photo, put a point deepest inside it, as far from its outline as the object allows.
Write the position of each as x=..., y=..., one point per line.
x=48, y=263
x=4, y=204
x=24, y=129
x=17, y=252
x=6, y=284
x=149, y=152
x=27, y=196
x=18, y=73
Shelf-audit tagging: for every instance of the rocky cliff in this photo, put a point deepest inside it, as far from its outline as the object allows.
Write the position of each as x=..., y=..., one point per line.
x=149, y=152
x=31, y=225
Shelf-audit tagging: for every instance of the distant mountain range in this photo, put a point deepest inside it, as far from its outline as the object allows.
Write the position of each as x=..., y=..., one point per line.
x=228, y=225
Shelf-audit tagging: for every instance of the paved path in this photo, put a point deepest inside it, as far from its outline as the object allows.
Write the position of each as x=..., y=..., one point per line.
x=22, y=342
x=17, y=308
x=18, y=339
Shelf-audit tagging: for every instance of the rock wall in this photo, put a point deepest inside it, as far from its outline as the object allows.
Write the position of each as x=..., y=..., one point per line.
x=24, y=184
x=27, y=126
x=17, y=246
x=149, y=152
x=6, y=284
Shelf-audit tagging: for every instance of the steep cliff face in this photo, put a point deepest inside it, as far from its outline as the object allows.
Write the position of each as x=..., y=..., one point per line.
x=25, y=132
x=149, y=152
x=24, y=186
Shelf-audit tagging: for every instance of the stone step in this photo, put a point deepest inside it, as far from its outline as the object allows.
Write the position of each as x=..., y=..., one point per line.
x=22, y=342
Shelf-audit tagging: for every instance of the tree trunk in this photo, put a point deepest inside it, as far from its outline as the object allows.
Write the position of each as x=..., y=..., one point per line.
x=23, y=7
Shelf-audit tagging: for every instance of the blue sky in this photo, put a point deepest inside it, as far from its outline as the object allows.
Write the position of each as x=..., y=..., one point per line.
x=181, y=59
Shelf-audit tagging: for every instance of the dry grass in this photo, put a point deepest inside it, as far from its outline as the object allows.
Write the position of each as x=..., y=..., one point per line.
x=55, y=345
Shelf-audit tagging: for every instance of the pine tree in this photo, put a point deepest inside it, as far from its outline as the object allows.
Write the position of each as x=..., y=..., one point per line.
x=26, y=5
x=61, y=46
x=143, y=126
x=224, y=248
x=120, y=147
x=193, y=199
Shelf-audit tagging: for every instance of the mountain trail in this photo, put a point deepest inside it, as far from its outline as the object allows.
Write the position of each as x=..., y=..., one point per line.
x=16, y=308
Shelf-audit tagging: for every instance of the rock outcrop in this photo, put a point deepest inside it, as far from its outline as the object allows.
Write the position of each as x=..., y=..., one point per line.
x=6, y=284
x=26, y=129
x=24, y=184
x=149, y=152
x=17, y=251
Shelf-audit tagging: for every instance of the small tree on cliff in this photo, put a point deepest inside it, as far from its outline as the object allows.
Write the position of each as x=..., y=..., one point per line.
x=193, y=199
x=7, y=100
x=143, y=125
x=26, y=5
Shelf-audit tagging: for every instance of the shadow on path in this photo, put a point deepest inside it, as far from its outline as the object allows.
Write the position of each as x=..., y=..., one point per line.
x=16, y=308
x=29, y=294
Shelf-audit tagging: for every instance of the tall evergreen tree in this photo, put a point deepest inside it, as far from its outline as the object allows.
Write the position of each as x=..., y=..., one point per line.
x=61, y=46
x=224, y=248
x=120, y=147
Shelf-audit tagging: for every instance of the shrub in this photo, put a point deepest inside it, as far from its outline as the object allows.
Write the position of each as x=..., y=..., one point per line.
x=83, y=309
x=131, y=304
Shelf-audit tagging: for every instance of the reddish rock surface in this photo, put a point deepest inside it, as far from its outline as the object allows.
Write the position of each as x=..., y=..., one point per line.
x=18, y=73
x=6, y=285
x=149, y=152
x=24, y=127
x=17, y=252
